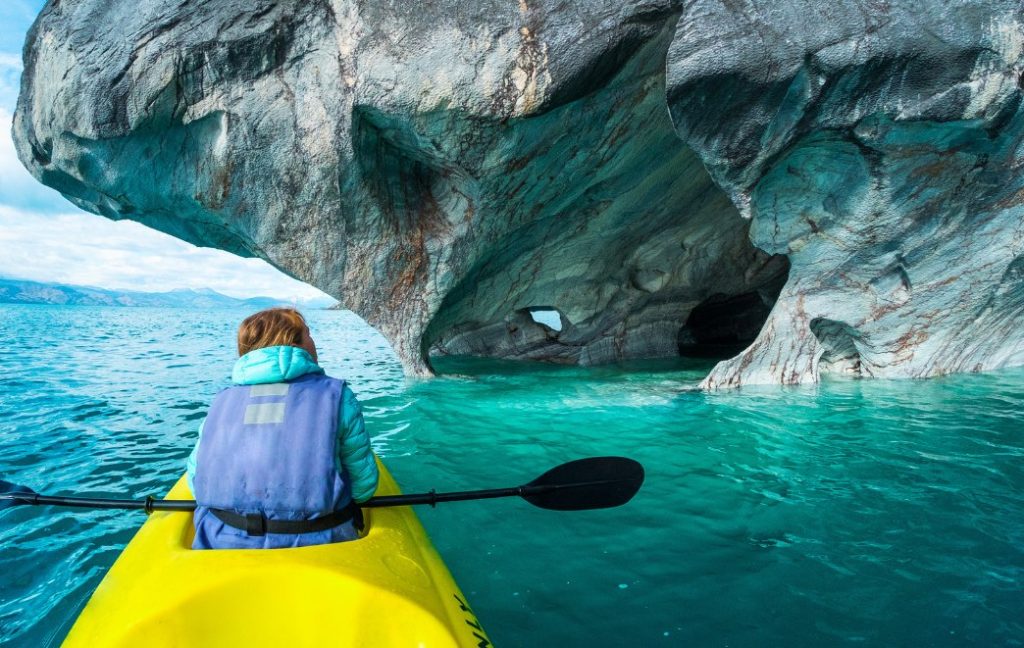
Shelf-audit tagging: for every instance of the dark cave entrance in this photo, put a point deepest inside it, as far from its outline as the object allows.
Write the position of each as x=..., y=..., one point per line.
x=723, y=325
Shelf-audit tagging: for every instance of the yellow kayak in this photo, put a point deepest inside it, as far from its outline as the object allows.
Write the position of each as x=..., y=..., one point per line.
x=389, y=588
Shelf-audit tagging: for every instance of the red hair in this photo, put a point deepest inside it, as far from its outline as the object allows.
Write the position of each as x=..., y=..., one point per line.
x=271, y=327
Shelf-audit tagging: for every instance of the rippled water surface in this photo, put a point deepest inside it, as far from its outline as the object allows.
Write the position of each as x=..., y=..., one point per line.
x=853, y=513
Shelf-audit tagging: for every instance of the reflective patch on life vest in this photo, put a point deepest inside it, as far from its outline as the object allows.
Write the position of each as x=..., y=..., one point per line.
x=269, y=389
x=264, y=413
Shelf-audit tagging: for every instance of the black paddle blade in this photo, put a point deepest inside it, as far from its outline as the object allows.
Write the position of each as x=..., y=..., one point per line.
x=9, y=489
x=593, y=483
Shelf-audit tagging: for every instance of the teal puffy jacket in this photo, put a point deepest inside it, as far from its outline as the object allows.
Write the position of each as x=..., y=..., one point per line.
x=355, y=458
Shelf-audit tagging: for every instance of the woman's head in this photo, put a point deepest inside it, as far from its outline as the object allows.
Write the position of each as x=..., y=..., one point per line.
x=275, y=327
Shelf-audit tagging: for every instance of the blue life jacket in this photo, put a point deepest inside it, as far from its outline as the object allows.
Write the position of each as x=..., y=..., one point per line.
x=268, y=451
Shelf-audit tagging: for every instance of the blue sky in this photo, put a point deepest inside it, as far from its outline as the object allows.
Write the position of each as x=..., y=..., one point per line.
x=43, y=237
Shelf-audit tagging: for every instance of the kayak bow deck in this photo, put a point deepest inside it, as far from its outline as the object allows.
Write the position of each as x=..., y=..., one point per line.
x=389, y=588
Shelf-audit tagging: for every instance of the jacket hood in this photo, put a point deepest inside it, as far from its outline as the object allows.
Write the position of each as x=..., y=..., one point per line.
x=273, y=364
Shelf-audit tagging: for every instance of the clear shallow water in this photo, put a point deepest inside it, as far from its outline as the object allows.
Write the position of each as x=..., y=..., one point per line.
x=853, y=513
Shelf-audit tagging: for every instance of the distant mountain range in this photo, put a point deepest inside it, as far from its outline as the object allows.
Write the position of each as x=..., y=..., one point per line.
x=17, y=291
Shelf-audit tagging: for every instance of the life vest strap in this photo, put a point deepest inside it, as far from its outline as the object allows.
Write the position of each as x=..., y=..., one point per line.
x=256, y=524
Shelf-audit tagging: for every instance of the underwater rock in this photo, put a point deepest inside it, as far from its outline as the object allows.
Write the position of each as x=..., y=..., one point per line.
x=447, y=170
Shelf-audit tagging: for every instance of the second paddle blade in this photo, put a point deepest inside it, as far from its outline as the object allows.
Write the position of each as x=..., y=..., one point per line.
x=592, y=483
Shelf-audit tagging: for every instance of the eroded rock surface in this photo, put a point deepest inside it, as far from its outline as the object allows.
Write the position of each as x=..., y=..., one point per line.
x=878, y=145
x=445, y=168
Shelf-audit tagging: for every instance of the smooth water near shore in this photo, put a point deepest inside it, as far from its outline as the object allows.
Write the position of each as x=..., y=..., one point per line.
x=852, y=513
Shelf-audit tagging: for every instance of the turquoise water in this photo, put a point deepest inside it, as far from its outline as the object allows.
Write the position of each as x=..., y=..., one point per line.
x=853, y=513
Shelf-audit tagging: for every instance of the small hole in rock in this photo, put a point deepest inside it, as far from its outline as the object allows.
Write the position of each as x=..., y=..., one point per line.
x=548, y=317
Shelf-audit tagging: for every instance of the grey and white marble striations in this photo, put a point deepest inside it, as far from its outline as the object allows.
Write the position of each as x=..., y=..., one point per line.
x=878, y=145
x=656, y=171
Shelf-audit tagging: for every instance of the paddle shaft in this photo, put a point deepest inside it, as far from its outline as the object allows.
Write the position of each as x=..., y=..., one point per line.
x=433, y=498
x=594, y=482
x=525, y=490
x=151, y=504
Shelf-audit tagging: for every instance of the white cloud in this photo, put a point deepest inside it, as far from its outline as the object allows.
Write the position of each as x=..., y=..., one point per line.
x=88, y=250
x=45, y=238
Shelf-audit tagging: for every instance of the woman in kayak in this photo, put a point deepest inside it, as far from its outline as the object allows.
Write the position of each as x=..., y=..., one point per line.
x=282, y=454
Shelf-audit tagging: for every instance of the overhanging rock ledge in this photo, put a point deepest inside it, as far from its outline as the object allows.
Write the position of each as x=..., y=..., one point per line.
x=837, y=185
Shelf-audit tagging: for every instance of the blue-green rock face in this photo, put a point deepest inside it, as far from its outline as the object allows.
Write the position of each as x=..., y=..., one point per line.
x=655, y=172
x=877, y=146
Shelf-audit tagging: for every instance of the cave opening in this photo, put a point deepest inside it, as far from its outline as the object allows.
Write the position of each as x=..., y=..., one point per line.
x=723, y=325
x=841, y=343
x=546, y=316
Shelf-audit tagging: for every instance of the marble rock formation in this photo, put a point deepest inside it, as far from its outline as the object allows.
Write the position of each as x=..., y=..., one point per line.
x=835, y=184
x=878, y=146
